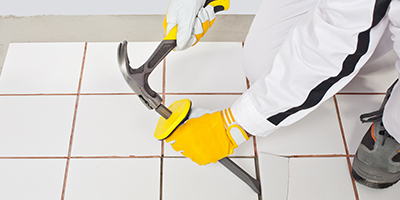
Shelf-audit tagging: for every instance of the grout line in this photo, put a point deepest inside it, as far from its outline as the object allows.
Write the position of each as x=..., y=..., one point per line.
x=288, y=180
x=35, y=157
x=111, y=157
x=255, y=146
x=257, y=168
x=41, y=94
x=352, y=179
x=341, y=125
x=161, y=177
x=73, y=125
x=346, y=148
x=106, y=94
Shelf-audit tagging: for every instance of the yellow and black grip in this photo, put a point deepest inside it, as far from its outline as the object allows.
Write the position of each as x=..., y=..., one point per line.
x=169, y=41
x=219, y=5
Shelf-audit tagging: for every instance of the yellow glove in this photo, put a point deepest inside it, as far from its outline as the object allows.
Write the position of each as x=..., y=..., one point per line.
x=187, y=21
x=208, y=138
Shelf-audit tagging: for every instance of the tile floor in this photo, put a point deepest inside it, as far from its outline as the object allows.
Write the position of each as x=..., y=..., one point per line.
x=71, y=128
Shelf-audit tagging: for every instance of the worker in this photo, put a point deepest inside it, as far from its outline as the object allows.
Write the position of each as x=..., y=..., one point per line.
x=297, y=54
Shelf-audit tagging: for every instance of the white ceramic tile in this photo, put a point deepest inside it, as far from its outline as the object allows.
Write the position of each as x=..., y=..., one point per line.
x=102, y=74
x=350, y=108
x=115, y=125
x=319, y=178
x=137, y=178
x=375, y=76
x=274, y=174
x=36, y=125
x=318, y=133
x=31, y=179
x=212, y=102
x=42, y=68
x=183, y=179
x=207, y=67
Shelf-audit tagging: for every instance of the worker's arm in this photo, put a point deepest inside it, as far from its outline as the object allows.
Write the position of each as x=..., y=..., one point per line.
x=320, y=54
x=187, y=21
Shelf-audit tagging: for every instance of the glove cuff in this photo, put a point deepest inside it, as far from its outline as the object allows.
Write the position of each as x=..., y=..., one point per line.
x=235, y=132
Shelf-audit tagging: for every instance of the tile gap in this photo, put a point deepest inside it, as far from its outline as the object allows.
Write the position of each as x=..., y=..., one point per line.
x=257, y=165
x=112, y=157
x=340, y=124
x=82, y=68
x=161, y=176
x=33, y=157
x=352, y=179
x=41, y=94
x=257, y=169
x=162, y=148
x=73, y=125
x=346, y=148
x=65, y=179
x=255, y=146
x=288, y=180
x=88, y=94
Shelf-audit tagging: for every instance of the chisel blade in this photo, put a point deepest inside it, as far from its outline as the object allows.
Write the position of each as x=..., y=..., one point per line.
x=243, y=175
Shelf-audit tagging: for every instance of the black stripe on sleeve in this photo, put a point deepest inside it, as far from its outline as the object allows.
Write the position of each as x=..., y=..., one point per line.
x=348, y=67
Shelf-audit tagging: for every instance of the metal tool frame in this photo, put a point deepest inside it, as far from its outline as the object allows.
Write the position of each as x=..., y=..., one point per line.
x=137, y=79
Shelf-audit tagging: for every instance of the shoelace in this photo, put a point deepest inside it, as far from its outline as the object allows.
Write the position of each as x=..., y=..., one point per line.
x=376, y=116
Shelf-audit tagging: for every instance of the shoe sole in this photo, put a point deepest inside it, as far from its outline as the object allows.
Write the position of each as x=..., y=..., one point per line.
x=370, y=184
x=373, y=177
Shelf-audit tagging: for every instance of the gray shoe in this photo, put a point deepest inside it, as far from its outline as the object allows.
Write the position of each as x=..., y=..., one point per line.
x=377, y=160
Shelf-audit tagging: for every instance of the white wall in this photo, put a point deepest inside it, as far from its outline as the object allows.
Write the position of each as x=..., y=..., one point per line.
x=105, y=7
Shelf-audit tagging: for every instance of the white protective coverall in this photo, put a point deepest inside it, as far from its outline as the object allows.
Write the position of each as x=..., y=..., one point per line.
x=299, y=53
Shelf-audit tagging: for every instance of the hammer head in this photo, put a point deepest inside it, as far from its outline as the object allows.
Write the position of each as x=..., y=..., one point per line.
x=137, y=79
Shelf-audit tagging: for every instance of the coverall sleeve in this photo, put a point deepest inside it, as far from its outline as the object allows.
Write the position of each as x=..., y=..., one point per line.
x=320, y=55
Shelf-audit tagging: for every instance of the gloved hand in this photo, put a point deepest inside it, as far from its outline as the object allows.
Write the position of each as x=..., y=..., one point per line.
x=193, y=20
x=208, y=136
